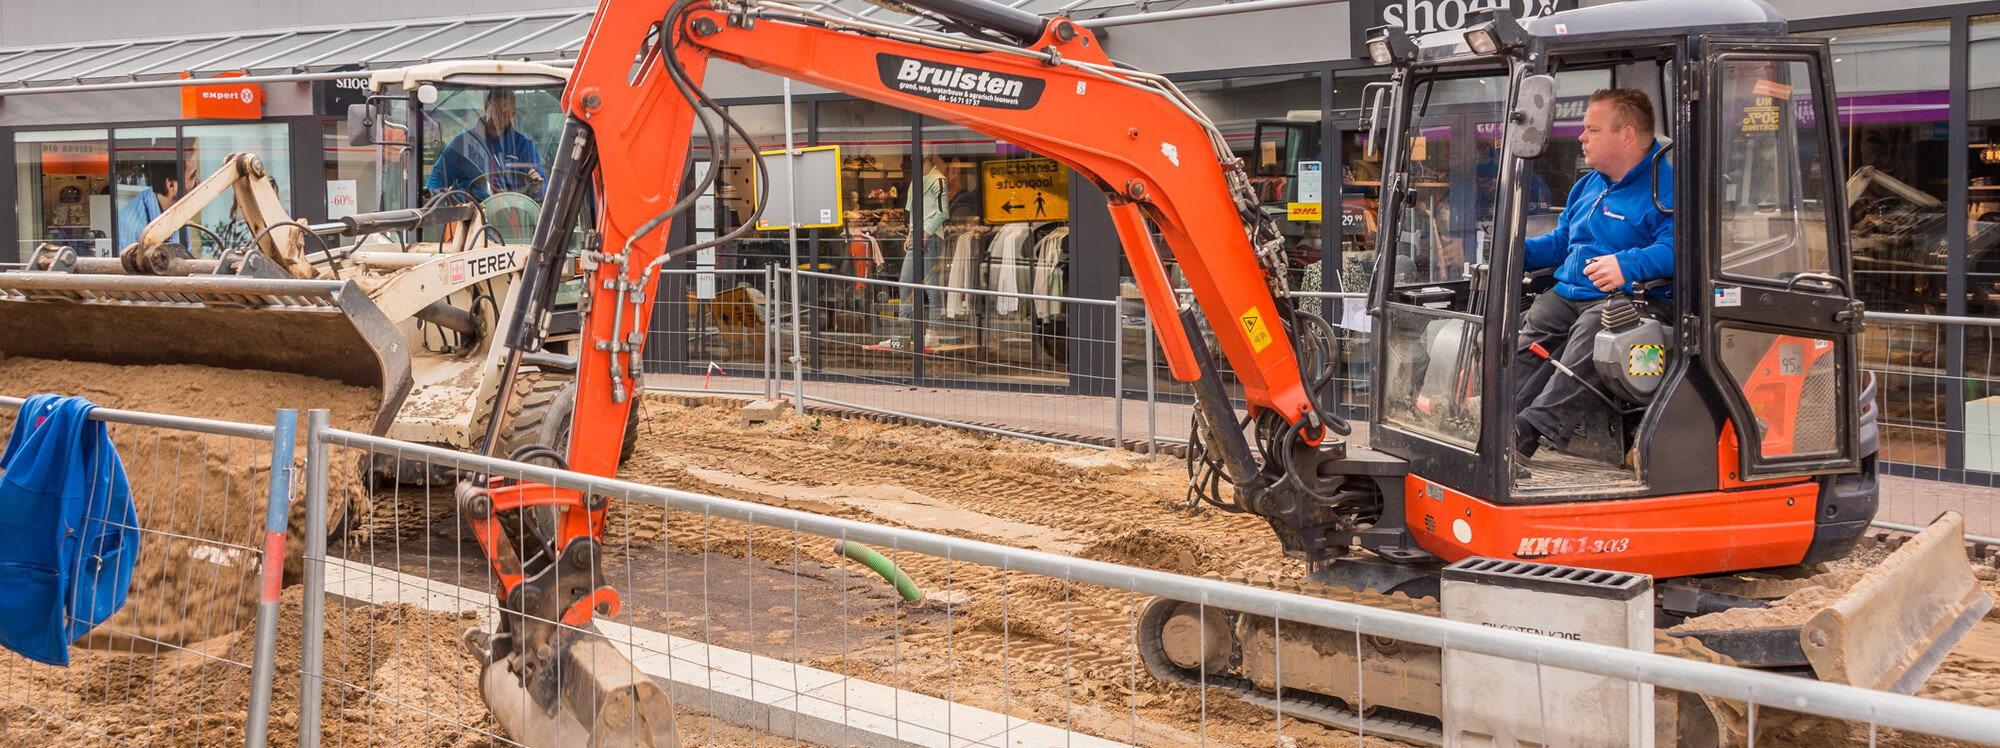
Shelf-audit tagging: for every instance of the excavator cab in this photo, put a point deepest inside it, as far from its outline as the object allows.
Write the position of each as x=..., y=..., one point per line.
x=1756, y=325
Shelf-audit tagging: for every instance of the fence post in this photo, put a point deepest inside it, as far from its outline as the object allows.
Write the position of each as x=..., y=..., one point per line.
x=1152, y=393
x=313, y=611
x=798, y=347
x=770, y=332
x=263, y=655
x=1118, y=373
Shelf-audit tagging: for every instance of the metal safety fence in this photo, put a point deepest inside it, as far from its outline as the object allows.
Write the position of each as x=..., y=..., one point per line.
x=1939, y=384
x=1018, y=364
x=188, y=658
x=872, y=628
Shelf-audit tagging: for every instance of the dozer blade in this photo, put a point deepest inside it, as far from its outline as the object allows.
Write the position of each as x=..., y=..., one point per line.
x=320, y=328
x=1900, y=621
x=604, y=702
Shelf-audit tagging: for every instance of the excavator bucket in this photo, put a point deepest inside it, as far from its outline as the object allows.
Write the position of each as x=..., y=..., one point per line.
x=604, y=701
x=321, y=328
x=1896, y=625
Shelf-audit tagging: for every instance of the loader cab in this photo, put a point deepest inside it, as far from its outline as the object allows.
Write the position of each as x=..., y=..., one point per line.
x=1748, y=370
x=459, y=131
x=442, y=141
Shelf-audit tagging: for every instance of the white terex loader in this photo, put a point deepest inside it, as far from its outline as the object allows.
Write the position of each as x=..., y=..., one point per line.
x=410, y=307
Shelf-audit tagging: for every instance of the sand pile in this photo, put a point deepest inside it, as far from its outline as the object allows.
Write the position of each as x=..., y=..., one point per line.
x=188, y=488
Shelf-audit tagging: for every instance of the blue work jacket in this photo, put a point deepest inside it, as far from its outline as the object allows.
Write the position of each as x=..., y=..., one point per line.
x=68, y=534
x=1606, y=218
x=473, y=153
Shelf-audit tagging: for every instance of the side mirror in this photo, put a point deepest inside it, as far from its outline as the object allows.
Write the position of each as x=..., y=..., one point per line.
x=361, y=120
x=1533, y=116
x=427, y=94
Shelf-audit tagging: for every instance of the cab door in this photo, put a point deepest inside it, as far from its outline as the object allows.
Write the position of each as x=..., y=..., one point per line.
x=1779, y=321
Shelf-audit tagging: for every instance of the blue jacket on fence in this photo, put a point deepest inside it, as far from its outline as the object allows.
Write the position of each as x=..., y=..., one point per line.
x=68, y=535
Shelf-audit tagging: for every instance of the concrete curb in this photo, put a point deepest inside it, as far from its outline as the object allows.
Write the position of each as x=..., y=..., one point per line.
x=763, y=693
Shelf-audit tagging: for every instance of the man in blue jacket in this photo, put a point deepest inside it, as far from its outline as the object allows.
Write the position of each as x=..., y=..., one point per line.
x=491, y=156
x=1610, y=237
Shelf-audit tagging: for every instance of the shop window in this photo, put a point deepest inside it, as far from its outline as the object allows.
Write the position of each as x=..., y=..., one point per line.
x=204, y=147
x=862, y=326
x=735, y=193
x=63, y=191
x=1894, y=90
x=147, y=177
x=723, y=315
x=353, y=180
x=991, y=215
x=1982, y=243
x=1273, y=123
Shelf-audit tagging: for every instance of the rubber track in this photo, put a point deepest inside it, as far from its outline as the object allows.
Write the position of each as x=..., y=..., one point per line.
x=1398, y=724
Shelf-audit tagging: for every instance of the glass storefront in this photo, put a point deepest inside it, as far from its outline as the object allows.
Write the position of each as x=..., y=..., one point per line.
x=95, y=190
x=1894, y=90
x=63, y=190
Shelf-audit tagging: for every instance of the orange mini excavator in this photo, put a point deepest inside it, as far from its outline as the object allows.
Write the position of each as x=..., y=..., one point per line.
x=1752, y=349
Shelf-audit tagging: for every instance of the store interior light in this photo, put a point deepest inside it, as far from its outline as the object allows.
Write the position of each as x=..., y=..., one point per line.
x=1991, y=154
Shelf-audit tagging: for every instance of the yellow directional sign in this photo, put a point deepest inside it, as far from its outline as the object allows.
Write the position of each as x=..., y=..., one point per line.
x=1033, y=189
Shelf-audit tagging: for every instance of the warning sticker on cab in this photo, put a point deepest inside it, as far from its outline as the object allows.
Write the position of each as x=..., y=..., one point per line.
x=1254, y=328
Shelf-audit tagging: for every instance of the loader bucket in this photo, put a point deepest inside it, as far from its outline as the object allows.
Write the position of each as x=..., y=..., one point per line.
x=1900, y=621
x=321, y=328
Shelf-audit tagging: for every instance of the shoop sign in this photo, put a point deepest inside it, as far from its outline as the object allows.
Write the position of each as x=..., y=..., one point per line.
x=957, y=84
x=1426, y=16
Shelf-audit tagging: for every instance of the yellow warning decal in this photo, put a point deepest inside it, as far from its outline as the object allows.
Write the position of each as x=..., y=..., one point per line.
x=1253, y=326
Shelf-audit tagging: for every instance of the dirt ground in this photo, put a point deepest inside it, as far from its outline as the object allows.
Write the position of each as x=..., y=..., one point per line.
x=1007, y=642
x=1066, y=658
x=201, y=499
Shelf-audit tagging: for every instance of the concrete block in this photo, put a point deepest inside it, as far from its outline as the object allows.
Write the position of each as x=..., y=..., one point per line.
x=1982, y=434
x=1495, y=701
x=763, y=410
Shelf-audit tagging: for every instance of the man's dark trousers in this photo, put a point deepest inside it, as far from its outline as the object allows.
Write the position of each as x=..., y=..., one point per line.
x=1555, y=401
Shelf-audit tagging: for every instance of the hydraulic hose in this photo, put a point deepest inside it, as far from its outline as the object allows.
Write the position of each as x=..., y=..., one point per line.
x=876, y=562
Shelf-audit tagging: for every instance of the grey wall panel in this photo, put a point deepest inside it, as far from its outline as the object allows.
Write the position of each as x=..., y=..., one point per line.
x=1314, y=33
x=88, y=109
x=28, y=22
x=1801, y=9
x=728, y=80
x=288, y=99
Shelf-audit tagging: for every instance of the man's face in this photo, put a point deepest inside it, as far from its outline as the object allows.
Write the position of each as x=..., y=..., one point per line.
x=1605, y=141
x=499, y=113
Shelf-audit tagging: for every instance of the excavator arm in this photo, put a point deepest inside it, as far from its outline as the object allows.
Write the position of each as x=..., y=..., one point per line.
x=1043, y=84
x=1151, y=153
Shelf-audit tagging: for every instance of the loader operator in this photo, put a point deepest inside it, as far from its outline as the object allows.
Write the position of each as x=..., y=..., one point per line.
x=1610, y=237
x=491, y=156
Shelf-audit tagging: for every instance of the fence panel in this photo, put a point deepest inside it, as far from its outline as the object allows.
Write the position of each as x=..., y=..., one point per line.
x=174, y=665
x=1939, y=402
x=763, y=622
x=714, y=331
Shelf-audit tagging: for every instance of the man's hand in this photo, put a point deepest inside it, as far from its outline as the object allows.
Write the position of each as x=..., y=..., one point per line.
x=1603, y=270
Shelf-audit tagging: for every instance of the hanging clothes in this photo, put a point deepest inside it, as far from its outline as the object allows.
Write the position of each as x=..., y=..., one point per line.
x=858, y=248
x=1009, y=275
x=1048, y=254
x=965, y=252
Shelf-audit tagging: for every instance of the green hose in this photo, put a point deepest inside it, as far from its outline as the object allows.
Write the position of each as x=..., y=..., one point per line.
x=883, y=566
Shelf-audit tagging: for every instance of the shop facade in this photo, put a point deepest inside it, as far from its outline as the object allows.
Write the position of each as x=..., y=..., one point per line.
x=925, y=201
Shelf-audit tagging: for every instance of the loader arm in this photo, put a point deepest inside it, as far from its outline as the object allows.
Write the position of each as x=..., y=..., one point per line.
x=256, y=195
x=1153, y=157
